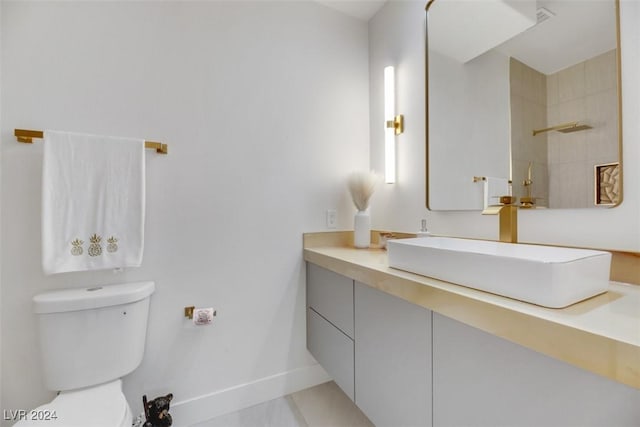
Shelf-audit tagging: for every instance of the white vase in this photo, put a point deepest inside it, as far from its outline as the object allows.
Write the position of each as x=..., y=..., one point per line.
x=362, y=229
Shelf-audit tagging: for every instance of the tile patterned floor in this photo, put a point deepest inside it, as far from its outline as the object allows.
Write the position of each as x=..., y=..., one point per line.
x=324, y=405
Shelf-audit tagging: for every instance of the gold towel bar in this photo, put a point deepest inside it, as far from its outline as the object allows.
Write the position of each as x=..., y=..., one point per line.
x=26, y=136
x=484, y=178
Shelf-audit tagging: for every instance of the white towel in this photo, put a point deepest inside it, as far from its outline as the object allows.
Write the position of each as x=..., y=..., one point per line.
x=93, y=202
x=493, y=189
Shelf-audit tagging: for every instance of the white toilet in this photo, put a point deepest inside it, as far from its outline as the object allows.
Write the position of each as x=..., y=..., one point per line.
x=89, y=339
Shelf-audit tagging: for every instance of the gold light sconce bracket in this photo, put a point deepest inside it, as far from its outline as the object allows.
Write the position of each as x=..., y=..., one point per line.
x=26, y=136
x=397, y=124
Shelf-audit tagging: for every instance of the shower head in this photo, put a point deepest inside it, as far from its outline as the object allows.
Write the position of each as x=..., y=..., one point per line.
x=564, y=128
x=575, y=128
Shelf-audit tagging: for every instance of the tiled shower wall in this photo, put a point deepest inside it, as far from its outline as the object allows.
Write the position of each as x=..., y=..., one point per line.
x=584, y=92
x=528, y=112
x=564, y=163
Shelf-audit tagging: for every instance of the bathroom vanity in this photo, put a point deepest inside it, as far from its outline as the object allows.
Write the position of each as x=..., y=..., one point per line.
x=411, y=350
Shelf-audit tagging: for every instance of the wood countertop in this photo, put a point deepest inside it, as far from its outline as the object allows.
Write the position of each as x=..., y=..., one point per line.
x=600, y=335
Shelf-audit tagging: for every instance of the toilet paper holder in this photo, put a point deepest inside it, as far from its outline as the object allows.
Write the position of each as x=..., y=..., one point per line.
x=188, y=312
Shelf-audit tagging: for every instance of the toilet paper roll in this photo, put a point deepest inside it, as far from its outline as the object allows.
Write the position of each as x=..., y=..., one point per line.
x=203, y=316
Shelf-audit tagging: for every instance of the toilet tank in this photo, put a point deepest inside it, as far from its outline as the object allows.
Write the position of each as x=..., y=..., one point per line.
x=89, y=336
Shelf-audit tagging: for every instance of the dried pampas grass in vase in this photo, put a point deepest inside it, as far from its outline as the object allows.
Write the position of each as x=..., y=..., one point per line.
x=361, y=186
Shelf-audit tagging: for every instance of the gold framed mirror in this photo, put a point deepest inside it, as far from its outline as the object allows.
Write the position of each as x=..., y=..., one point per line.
x=527, y=92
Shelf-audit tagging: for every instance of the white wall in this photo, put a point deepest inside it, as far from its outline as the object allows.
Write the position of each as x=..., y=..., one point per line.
x=1, y=406
x=396, y=35
x=464, y=115
x=264, y=106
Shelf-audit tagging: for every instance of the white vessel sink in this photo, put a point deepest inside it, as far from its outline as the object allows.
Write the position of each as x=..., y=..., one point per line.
x=548, y=276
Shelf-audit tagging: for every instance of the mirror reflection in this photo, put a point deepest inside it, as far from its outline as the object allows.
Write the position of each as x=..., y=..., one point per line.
x=537, y=104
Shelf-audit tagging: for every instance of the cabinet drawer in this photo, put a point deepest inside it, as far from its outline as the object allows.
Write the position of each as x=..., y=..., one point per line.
x=499, y=383
x=332, y=349
x=331, y=295
x=392, y=359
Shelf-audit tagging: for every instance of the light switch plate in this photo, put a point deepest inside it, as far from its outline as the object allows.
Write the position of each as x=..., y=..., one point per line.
x=332, y=218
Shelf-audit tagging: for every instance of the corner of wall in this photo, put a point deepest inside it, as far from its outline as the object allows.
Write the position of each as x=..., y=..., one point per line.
x=1, y=26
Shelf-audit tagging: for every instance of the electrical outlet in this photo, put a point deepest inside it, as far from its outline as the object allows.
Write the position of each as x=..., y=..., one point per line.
x=332, y=218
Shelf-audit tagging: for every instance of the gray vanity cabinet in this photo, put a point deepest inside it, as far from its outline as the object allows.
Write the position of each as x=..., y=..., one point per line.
x=331, y=295
x=330, y=324
x=382, y=359
x=482, y=380
x=393, y=359
x=404, y=365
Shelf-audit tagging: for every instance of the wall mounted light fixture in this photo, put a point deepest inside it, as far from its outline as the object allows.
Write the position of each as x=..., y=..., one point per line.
x=393, y=125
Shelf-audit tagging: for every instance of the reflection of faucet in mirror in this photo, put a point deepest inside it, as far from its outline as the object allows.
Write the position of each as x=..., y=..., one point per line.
x=528, y=201
x=507, y=212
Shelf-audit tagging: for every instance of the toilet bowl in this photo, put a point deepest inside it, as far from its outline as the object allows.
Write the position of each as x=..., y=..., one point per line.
x=89, y=339
x=100, y=406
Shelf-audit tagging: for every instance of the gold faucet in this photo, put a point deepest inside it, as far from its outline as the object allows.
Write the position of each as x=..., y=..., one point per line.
x=508, y=217
x=528, y=202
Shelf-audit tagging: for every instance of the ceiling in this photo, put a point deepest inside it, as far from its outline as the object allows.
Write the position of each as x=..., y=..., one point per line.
x=361, y=9
x=578, y=30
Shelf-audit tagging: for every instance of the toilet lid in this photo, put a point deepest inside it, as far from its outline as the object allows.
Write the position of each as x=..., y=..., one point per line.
x=99, y=406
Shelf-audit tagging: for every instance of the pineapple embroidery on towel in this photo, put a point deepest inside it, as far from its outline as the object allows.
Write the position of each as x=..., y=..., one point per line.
x=76, y=247
x=113, y=244
x=94, y=248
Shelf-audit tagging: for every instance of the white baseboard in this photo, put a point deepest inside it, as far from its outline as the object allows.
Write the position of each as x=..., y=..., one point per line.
x=205, y=407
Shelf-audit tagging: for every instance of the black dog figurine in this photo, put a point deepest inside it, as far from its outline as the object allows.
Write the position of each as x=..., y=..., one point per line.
x=156, y=411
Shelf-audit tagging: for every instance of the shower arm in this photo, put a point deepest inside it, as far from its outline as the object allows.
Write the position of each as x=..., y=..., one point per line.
x=564, y=127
